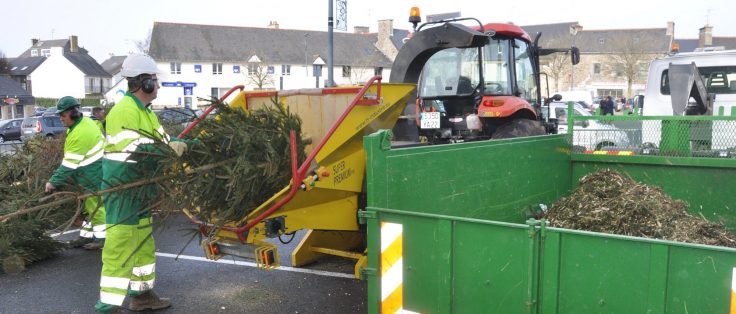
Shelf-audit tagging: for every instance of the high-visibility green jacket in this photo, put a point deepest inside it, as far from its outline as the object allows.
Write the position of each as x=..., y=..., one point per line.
x=82, y=163
x=132, y=129
x=100, y=125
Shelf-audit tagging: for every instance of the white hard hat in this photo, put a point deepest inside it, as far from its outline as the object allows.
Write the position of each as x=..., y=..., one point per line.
x=137, y=64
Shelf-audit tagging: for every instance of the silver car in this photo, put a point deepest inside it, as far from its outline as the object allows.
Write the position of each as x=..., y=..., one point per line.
x=591, y=134
x=48, y=126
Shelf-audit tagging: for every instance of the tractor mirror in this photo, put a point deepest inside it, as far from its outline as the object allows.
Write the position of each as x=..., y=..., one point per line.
x=575, y=55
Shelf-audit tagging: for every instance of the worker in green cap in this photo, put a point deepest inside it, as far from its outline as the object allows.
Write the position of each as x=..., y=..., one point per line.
x=81, y=170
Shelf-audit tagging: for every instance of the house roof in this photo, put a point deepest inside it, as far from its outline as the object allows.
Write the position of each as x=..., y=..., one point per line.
x=556, y=35
x=81, y=59
x=9, y=87
x=648, y=40
x=654, y=40
x=24, y=66
x=211, y=43
x=398, y=37
x=689, y=45
x=44, y=44
x=113, y=64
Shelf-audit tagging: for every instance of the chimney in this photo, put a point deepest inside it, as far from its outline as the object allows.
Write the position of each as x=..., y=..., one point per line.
x=361, y=29
x=73, y=44
x=385, y=29
x=273, y=24
x=670, y=28
x=34, y=41
x=706, y=36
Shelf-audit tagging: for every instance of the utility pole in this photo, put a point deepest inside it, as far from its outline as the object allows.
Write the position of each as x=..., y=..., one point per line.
x=330, y=51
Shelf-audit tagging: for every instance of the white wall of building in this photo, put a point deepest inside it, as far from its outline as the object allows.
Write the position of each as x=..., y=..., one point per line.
x=299, y=77
x=57, y=77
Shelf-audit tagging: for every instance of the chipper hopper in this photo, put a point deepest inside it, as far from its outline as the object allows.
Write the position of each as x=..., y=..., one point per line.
x=324, y=194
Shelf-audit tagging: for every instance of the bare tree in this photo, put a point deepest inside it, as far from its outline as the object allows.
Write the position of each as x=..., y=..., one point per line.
x=630, y=55
x=257, y=73
x=4, y=64
x=557, y=67
x=144, y=45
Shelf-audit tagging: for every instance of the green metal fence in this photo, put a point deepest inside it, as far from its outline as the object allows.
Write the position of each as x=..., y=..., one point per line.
x=682, y=136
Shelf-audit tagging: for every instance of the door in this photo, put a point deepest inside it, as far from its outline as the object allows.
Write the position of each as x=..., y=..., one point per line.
x=14, y=132
x=188, y=102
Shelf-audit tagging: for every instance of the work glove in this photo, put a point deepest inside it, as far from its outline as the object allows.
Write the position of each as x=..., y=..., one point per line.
x=178, y=147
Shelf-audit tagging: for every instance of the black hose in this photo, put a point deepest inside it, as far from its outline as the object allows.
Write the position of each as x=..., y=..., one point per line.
x=291, y=239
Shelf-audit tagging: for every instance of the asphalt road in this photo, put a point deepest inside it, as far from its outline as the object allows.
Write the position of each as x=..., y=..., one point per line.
x=68, y=283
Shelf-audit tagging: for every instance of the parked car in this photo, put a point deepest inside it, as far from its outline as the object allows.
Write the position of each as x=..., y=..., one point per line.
x=10, y=130
x=86, y=111
x=47, y=125
x=174, y=116
x=590, y=134
x=39, y=111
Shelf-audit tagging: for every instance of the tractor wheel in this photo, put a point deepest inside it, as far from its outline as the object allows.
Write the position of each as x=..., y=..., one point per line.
x=518, y=128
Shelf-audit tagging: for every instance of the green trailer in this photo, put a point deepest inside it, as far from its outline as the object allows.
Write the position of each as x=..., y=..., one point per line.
x=449, y=229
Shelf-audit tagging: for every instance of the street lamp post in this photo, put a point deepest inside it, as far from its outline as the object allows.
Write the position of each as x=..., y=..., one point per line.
x=574, y=30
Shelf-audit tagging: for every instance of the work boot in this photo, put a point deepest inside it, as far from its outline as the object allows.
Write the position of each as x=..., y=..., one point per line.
x=94, y=245
x=148, y=301
x=79, y=242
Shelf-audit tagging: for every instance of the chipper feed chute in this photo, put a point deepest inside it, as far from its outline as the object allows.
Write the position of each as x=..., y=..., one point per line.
x=327, y=193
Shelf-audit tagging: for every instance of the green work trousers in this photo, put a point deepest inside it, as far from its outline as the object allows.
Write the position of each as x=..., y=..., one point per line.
x=94, y=222
x=128, y=263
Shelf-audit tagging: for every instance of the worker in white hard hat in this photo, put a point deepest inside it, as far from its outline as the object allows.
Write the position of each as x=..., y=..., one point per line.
x=129, y=263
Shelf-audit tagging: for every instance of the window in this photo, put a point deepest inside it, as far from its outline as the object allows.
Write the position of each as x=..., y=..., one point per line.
x=252, y=68
x=46, y=52
x=24, y=68
x=236, y=69
x=216, y=68
x=602, y=41
x=285, y=69
x=525, y=82
x=452, y=72
x=197, y=68
x=34, y=52
x=270, y=69
x=175, y=67
x=718, y=80
x=345, y=71
x=596, y=68
x=614, y=93
x=378, y=71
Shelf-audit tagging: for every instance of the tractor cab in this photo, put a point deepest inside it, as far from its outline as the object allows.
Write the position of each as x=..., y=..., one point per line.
x=470, y=92
x=475, y=82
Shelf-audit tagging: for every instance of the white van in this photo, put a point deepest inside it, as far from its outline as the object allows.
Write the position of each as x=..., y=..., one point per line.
x=718, y=72
x=717, y=68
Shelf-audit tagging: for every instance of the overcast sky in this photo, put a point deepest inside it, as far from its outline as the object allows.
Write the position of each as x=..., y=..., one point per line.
x=106, y=27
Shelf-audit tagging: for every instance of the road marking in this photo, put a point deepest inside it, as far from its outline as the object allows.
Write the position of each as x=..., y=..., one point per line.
x=250, y=264
x=54, y=235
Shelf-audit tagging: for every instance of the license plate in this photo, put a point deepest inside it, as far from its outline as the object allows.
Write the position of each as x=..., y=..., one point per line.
x=430, y=120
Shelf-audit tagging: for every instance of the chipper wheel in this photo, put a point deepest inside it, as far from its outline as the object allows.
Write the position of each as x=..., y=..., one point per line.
x=519, y=128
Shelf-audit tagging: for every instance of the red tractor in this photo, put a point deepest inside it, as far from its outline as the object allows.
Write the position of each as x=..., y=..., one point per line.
x=474, y=83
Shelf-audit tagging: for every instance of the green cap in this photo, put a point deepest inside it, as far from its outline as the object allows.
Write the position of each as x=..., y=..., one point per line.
x=66, y=103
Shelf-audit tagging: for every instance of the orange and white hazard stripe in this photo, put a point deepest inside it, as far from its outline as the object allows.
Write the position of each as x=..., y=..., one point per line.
x=392, y=277
x=733, y=292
